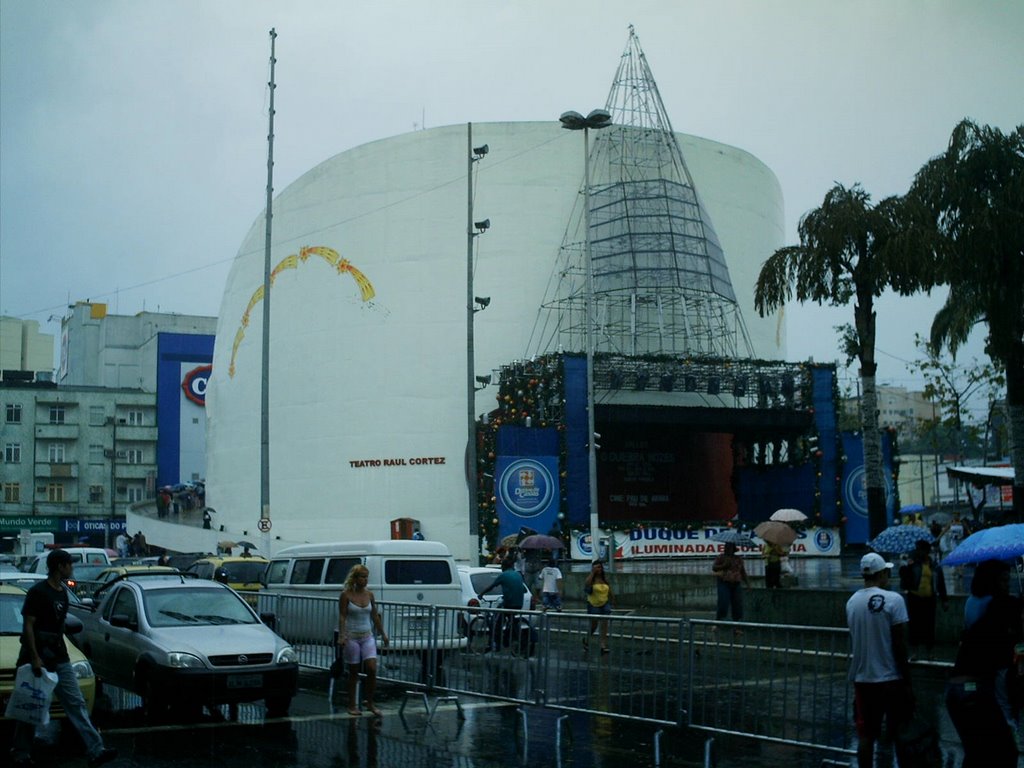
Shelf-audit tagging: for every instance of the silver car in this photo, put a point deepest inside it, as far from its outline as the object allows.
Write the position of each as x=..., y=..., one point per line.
x=173, y=639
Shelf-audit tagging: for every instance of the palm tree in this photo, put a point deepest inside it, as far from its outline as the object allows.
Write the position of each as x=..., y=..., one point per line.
x=974, y=193
x=843, y=254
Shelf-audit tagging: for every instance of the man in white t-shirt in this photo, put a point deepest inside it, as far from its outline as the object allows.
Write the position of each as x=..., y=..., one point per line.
x=550, y=578
x=877, y=618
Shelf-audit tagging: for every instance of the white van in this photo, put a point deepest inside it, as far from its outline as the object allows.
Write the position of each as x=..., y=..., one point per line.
x=416, y=574
x=79, y=556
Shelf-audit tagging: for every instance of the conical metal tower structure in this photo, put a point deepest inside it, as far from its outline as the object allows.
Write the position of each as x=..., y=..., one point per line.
x=660, y=280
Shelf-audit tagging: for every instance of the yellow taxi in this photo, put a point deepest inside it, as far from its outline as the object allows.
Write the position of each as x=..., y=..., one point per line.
x=11, y=600
x=242, y=574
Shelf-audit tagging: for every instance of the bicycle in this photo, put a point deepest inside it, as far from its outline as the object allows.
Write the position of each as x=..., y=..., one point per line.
x=493, y=630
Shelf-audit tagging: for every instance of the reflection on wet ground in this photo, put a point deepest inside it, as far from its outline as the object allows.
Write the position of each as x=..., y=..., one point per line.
x=320, y=734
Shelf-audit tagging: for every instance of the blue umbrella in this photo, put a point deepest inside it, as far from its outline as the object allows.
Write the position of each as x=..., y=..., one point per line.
x=909, y=509
x=898, y=539
x=1004, y=542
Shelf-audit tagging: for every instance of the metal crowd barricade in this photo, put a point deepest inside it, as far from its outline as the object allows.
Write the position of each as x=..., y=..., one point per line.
x=771, y=682
x=774, y=682
x=640, y=678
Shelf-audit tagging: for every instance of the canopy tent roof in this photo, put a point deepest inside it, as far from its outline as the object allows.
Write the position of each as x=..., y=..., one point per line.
x=982, y=475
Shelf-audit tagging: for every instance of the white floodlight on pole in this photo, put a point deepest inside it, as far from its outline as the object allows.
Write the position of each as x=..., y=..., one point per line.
x=474, y=154
x=574, y=121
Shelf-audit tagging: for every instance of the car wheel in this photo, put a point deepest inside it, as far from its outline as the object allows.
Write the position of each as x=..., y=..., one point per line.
x=277, y=706
x=479, y=635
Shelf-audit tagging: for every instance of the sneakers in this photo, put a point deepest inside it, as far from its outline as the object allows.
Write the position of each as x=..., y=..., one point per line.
x=102, y=757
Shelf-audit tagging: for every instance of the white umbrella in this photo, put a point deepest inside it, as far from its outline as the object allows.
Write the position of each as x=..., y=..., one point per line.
x=788, y=516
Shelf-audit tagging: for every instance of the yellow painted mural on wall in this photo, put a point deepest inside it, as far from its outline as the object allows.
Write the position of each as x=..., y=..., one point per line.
x=329, y=255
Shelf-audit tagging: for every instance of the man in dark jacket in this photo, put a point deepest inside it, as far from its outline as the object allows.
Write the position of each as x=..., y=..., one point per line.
x=923, y=584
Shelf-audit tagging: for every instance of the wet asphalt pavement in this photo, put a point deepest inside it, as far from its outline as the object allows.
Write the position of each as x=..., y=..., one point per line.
x=320, y=734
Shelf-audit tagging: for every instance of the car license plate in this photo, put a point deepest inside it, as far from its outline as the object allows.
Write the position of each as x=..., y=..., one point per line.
x=245, y=681
x=418, y=623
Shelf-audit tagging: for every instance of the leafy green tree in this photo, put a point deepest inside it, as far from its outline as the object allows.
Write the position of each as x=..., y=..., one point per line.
x=845, y=254
x=952, y=387
x=974, y=196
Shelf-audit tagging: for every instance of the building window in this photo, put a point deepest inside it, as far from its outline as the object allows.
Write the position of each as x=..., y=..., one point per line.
x=135, y=418
x=56, y=414
x=55, y=453
x=12, y=453
x=14, y=413
x=12, y=493
x=135, y=494
x=95, y=494
x=97, y=417
x=134, y=456
x=95, y=454
x=55, y=493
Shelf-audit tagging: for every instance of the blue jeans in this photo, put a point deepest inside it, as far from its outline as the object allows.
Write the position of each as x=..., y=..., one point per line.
x=71, y=698
x=551, y=600
x=729, y=596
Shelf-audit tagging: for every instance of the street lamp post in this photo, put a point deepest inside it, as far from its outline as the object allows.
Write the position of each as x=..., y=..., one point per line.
x=112, y=420
x=574, y=121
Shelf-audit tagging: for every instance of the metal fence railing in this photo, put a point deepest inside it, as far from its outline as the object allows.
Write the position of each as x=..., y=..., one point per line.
x=772, y=682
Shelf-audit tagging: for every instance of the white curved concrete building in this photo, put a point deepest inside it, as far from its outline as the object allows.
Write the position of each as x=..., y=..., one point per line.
x=368, y=355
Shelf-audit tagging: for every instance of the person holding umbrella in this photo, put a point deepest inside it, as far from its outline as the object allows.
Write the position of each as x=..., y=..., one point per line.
x=923, y=584
x=730, y=572
x=773, y=554
x=979, y=696
x=778, y=537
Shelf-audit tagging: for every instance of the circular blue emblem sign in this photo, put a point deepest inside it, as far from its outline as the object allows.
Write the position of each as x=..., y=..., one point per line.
x=824, y=540
x=526, y=488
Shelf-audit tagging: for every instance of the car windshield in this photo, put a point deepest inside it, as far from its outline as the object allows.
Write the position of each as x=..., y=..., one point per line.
x=10, y=614
x=195, y=607
x=244, y=572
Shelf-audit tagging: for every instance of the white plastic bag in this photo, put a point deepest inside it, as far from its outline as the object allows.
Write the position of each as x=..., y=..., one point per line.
x=30, y=699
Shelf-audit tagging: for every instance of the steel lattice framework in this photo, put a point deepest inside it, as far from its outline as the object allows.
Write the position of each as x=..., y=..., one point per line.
x=661, y=283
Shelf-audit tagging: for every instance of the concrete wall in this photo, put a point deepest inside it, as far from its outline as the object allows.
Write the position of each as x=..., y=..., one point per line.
x=695, y=595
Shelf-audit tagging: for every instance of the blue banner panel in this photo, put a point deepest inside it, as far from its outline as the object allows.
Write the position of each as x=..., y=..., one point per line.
x=826, y=422
x=527, y=493
x=854, y=487
x=173, y=350
x=527, y=441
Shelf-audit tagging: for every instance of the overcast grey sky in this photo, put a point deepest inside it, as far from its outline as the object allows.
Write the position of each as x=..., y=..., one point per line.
x=133, y=132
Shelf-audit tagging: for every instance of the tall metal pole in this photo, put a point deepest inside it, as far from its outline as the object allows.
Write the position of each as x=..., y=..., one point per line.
x=471, y=474
x=591, y=430
x=113, y=479
x=574, y=121
x=265, y=377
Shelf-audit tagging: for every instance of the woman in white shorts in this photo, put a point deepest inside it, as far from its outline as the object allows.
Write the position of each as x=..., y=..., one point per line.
x=357, y=620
